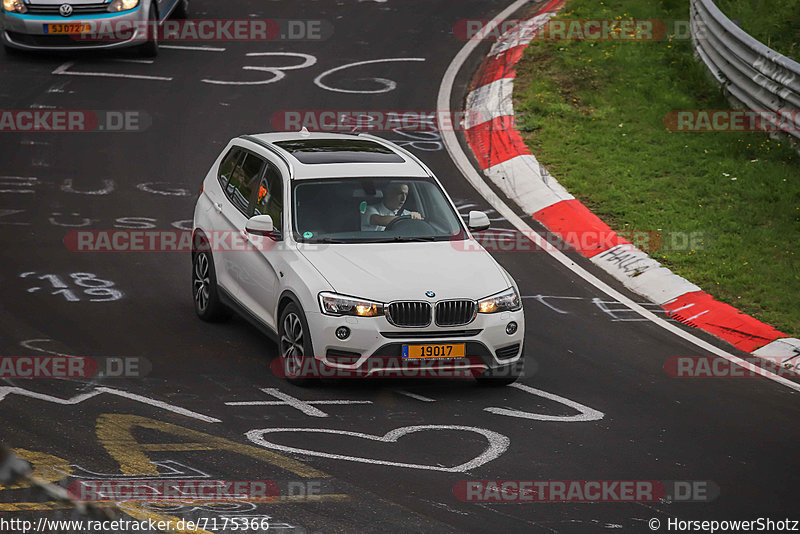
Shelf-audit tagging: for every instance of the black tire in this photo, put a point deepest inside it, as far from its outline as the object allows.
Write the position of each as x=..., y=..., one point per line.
x=150, y=48
x=294, y=346
x=501, y=376
x=205, y=293
x=181, y=10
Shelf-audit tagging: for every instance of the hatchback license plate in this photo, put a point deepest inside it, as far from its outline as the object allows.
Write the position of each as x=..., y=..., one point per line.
x=72, y=28
x=414, y=352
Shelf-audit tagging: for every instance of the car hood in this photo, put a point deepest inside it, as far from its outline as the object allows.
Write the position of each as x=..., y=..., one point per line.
x=406, y=271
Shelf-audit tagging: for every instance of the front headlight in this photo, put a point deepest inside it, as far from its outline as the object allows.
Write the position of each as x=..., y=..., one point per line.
x=14, y=6
x=507, y=300
x=333, y=304
x=122, y=5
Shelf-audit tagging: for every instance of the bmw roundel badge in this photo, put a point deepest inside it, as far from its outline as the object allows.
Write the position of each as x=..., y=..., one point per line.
x=430, y=294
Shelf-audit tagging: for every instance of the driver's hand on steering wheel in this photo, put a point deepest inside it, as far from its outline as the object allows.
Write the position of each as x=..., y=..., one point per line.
x=416, y=215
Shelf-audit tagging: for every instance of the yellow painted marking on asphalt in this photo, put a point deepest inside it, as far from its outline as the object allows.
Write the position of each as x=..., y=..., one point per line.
x=177, y=447
x=45, y=467
x=115, y=432
x=137, y=511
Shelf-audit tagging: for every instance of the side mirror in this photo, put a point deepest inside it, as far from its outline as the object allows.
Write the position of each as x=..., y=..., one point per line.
x=478, y=221
x=262, y=225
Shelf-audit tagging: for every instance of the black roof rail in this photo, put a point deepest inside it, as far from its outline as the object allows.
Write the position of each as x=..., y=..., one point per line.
x=272, y=149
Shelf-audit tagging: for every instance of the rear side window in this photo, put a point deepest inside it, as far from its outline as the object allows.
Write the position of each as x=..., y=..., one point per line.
x=269, y=200
x=227, y=165
x=243, y=181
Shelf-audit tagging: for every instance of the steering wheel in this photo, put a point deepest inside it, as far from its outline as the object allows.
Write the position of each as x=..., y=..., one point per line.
x=407, y=220
x=395, y=221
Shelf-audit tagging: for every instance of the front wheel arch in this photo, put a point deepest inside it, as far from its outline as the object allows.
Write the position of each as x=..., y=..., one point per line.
x=285, y=299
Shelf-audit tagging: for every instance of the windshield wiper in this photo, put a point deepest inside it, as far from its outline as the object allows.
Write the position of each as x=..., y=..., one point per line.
x=401, y=239
x=325, y=240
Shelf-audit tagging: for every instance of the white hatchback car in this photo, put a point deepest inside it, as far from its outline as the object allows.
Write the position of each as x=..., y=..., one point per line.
x=346, y=250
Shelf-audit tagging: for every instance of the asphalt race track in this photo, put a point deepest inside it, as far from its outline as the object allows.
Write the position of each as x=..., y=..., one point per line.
x=596, y=404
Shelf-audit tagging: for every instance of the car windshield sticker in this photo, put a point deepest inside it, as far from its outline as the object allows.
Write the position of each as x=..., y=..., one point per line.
x=363, y=207
x=308, y=235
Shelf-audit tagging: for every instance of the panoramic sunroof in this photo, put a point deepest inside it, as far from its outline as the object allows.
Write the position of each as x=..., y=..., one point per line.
x=317, y=151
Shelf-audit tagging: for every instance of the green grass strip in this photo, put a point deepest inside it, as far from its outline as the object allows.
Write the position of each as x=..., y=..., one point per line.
x=593, y=113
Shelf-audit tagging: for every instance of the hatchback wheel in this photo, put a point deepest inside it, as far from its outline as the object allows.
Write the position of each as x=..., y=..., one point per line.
x=150, y=48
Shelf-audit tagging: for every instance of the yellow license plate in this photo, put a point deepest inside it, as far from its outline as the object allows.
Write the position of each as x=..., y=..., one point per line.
x=413, y=352
x=73, y=28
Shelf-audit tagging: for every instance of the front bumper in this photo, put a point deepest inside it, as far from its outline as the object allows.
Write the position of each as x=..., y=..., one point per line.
x=375, y=345
x=27, y=32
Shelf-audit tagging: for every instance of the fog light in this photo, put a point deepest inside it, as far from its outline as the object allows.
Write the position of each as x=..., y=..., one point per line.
x=511, y=328
x=343, y=332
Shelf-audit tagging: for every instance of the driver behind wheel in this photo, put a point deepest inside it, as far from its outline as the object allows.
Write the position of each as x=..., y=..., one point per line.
x=378, y=216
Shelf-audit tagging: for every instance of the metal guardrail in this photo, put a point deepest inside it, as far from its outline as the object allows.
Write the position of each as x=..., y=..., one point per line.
x=752, y=74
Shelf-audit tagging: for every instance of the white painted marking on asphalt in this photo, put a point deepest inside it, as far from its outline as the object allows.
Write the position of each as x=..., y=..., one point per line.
x=6, y=213
x=277, y=72
x=58, y=87
x=414, y=396
x=77, y=399
x=80, y=223
x=152, y=187
x=143, y=61
x=473, y=177
x=67, y=187
x=696, y=316
x=63, y=70
x=31, y=343
x=28, y=142
x=18, y=181
x=287, y=400
x=388, y=85
x=541, y=299
x=617, y=312
x=585, y=413
x=172, y=470
x=194, y=48
x=498, y=444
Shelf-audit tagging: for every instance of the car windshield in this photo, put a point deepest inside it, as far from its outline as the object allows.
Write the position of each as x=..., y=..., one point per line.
x=372, y=210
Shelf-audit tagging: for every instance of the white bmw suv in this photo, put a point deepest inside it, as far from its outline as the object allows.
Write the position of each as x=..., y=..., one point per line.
x=346, y=250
